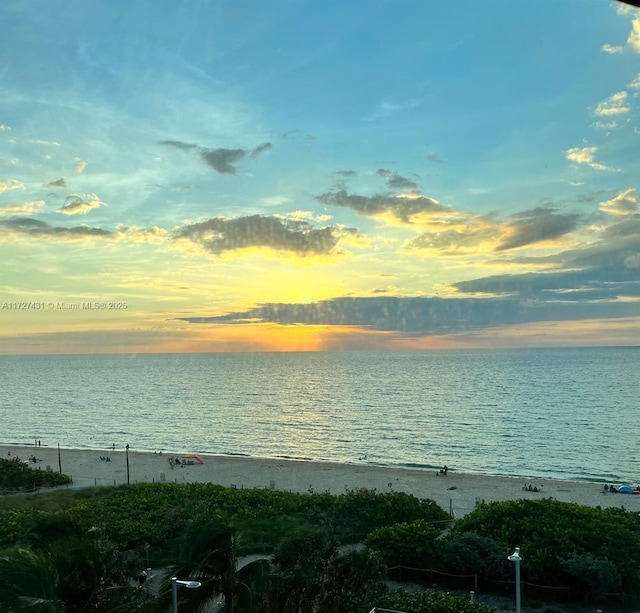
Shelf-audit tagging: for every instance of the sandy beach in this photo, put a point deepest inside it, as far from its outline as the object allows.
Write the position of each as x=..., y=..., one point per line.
x=455, y=492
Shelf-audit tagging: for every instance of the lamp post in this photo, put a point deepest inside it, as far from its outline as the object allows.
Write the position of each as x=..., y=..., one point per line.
x=515, y=557
x=127, y=450
x=175, y=582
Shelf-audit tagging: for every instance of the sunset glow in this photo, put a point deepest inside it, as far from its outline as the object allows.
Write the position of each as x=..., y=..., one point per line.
x=308, y=176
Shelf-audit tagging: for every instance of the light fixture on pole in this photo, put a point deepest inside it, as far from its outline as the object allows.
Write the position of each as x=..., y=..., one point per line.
x=175, y=582
x=127, y=450
x=515, y=557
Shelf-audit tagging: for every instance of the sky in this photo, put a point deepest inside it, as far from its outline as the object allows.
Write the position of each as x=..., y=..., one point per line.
x=298, y=175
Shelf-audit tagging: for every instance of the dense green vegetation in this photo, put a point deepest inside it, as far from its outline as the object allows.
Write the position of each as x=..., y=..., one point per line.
x=278, y=552
x=153, y=513
x=16, y=476
x=201, y=531
x=591, y=550
x=414, y=544
x=430, y=600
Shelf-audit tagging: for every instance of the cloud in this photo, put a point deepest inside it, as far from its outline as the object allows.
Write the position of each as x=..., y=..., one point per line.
x=301, y=215
x=407, y=315
x=75, y=205
x=221, y=160
x=607, y=48
x=625, y=203
x=474, y=235
x=4, y=128
x=633, y=41
x=136, y=234
x=346, y=173
x=413, y=316
x=27, y=226
x=178, y=144
x=595, y=291
x=605, y=125
x=81, y=166
x=260, y=149
x=275, y=200
x=395, y=181
x=219, y=235
x=453, y=237
x=635, y=84
x=622, y=231
x=613, y=105
x=584, y=155
x=35, y=228
x=24, y=208
x=61, y=182
x=634, y=36
x=625, y=9
x=435, y=159
x=403, y=208
x=387, y=108
x=539, y=225
x=599, y=273
x=44, y=142
x=581, y=156
x=6, y=185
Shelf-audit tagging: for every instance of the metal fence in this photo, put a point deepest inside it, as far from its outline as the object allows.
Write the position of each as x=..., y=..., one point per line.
x=472, y=583
x=484, y=585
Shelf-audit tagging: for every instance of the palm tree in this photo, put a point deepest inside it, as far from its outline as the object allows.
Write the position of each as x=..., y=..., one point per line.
x=76, y=575
x=313, y=574
x=28, y=582
x=209, y=554
x=302, y=564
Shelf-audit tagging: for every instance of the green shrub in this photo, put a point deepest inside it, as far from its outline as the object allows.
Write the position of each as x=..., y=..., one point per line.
x=16, y=476
x=591, y=576
x=469, y=553
x=564, y=544
x=156, y=512
x=415, y=545
x=430, y=601
x=361, y=511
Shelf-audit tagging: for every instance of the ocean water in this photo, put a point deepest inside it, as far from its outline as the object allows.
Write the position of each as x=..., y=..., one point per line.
x=557, y=413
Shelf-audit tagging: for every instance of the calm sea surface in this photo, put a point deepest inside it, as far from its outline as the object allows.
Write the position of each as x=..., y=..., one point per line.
x=560, y=413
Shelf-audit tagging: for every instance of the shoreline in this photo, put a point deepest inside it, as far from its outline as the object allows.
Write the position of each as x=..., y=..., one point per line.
x=457, y=493
x=357, y=462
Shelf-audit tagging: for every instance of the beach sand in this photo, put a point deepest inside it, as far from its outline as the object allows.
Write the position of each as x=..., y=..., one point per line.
x=457, y=493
